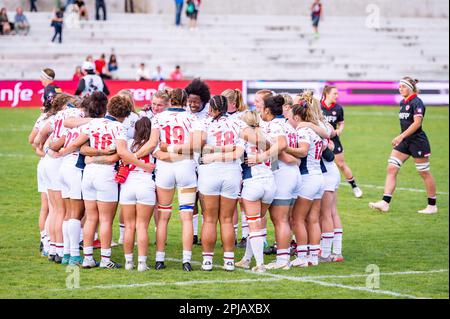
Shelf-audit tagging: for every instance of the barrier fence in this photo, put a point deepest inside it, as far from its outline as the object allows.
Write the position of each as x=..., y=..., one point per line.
x=29, y=93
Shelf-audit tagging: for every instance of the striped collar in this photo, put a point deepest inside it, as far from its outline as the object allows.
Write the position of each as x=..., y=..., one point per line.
x=410, y=98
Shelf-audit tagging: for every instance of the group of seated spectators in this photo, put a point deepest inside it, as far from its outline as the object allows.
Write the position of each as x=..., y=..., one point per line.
x=19, y=25
x=106, y=70
x=143, y=74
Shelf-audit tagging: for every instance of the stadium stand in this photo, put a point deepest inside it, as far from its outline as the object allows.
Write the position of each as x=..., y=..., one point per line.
x=249, y=47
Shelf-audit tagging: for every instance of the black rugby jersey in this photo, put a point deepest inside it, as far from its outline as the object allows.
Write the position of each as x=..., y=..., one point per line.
x=333, y=113
x=50, y=91
x=410, y=108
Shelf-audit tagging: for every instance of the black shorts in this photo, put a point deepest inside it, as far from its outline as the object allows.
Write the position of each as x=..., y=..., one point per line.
x=416, y=146
x=338, y=148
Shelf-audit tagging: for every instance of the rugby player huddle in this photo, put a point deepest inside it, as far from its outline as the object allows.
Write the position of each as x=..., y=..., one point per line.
x=97, y=153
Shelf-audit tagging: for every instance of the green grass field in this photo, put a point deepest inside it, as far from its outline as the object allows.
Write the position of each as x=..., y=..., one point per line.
x=410, y=250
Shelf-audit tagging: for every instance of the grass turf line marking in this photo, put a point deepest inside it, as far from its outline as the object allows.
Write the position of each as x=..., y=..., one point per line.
x=176, y=283
x=415, y=190
x=310, y=279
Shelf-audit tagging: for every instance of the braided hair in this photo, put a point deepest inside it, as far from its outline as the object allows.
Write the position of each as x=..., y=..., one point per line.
x=219, y=103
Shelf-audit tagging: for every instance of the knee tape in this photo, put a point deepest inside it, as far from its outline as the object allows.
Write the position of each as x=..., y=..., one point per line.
x=253, y=219
x=186, y=198
x=423, y=167
x=395, y=162
x=165, y=209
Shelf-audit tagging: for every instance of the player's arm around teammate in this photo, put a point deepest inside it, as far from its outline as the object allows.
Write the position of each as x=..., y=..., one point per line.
x=411, y=142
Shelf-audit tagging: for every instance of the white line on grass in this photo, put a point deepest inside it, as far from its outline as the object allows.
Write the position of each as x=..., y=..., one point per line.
x=176, y=283
x=415, y=190
x=311, y=279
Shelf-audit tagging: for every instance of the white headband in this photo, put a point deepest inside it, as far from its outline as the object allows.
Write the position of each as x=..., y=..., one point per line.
x=46, y=76
x=404, y=82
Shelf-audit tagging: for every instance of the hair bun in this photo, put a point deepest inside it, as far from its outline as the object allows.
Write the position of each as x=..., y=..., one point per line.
x=416, y=81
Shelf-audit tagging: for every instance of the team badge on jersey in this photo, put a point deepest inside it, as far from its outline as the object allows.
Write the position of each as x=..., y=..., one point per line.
x=334, y=113
x=407, y=107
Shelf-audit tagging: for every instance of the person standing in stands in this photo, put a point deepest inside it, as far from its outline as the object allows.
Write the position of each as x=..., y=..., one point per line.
x=316, y=13
x=100, y=4
x=129, y=6
x=57, y=23
x=179, y=9
x=33, y=6
x=90, y=82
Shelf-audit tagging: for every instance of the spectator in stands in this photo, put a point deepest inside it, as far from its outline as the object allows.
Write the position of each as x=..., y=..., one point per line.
x=192, y=12
x=316, y=13
x=100, y=64
x=78, y=74
x=158, y=75
x=178, y=10
x=57, y=23
x=21, y=24
x=176, y=74
x=82, y=9
x=129, y=6
x=100, y=4
x=89, y=58
x=142, y=73
x=113, y=67
x=5, y=26
x=33, y=6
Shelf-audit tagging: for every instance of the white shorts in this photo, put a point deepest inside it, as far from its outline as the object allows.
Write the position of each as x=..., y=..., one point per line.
x=288, y=182
x=312, y=187
x=99, y=184
x=214, y=181
x=139, y=188
x=71, y=178
x=255, y=189
x=42, y=188
x=178, y=174
x=51, y=173
x=332, y=178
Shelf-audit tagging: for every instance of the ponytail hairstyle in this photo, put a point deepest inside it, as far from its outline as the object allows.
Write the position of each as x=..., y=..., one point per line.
x=129, y=95
x=235, y=96
x=306, y=110
x=326, y=91
x=219, y=103
x=410, y=83
x=142, y=131
x=251, y=118
x=287, y=99
x=274, y=104
x=314, y=104
x=176, y=97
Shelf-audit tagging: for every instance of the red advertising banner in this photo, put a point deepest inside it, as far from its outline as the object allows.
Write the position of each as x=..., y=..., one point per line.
x=29, y=93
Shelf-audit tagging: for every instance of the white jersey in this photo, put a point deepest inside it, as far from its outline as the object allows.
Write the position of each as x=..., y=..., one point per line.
x=273, y=129
x=221, y=132
x=57, y=122
x=71, y=135
x=146, y=159
x=174, y=124
x=103, y=133
x=40, y=122
x=202, y=115
x=149, y=113
x=92, y=83
x=310, y=165
x=129, y=123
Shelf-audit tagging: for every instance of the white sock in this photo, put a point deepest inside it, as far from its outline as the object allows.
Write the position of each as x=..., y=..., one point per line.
x=106, y=255
x=208, y=257
x=74, y=226
x=81, y=234
x=326, y=243
x=195, y=222
x=160, y=255
x=245, y=229
x=46, y=241
x=60, y=249
x=283, y=256
x=337, y=241
x=121, y=231
x=88, y=252
x=42, y=232
x=187, y=255
x=257, y=242
x=228, y=256
x=66, y=240
x=264, y=232
x=52, y=249
x=128, y=257
x=142, y=259
x=314, y=252
x=302, y=251
x=248, y=250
